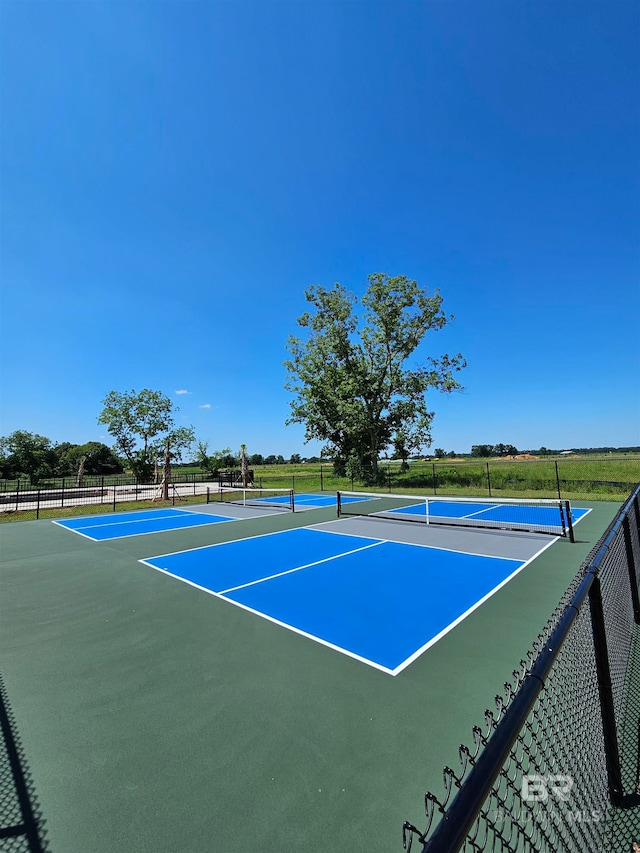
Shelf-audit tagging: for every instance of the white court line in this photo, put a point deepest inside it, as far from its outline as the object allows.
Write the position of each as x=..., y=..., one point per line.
x=467, y=612
x=299, y=568
x=575, y=521
x=424, y=545
x=116, y=523
x=273, y=620
x=402, y=666
x=215, y=518
x=73, y=530
x=227, y=541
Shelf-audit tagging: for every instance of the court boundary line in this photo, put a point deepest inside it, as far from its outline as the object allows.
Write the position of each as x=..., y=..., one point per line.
x=468, y=612
x=432, y=547
x=272, y=619
x=140, y=521
x=127, y=521
x=223, y=594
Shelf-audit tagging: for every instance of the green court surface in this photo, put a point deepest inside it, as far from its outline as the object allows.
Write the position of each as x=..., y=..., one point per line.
x=156, y=718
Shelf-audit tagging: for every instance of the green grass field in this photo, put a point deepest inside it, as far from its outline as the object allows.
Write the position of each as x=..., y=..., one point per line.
x=605, y=478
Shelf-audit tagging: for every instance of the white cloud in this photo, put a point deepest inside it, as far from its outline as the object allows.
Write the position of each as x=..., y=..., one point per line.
x=205, y=406
x=182, y=391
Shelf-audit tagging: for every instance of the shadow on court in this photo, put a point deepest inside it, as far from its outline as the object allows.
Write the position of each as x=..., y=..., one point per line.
x=21, y=822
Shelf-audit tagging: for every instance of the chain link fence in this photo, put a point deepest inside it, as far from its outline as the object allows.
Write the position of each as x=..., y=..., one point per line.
x=570, y=479
x=565, y=479
x=25, y=503
x=21, y=821
x=555, y=766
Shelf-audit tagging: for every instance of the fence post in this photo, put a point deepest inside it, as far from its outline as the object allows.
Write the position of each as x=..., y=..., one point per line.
x=631, y=564
x=435, y=485
x=38, y=504
x=389, y=476
x=17, y=493
x=321, y=479
x=293, y=482
x=612, y=756
x=62, y=494
x=114, y=498
x=558, y=481
x=488, y=480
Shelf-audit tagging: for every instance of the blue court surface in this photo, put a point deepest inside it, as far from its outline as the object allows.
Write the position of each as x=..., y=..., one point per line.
x=326, y=499
x=381, y=602
x=119, y=524
x=544, y=516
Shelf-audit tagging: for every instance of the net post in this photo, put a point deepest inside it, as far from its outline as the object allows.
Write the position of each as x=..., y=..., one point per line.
x=612, y=756
x=208, y=494
x=631, y=565
x=567, y=508
x=426, y=510
x=339, y=503
x=292, y=501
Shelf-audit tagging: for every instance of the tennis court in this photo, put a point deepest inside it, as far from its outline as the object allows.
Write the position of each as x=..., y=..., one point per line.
x=554, y=517
x=231, y=504
x=116, y=525
x=288, y=677
x=347, y=591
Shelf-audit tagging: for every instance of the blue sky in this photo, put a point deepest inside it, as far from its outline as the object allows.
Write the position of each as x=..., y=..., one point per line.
x=175, y=174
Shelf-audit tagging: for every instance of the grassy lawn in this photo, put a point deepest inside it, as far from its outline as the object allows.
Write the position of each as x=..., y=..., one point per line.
x=609, y=477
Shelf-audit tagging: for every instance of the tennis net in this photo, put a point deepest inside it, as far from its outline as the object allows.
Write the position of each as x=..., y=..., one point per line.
x=553, y=517
x=275, y=499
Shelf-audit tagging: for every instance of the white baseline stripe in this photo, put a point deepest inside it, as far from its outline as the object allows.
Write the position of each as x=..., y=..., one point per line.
x=73, y=530
x=278, y=622
x=464, y=615
x=127, y=521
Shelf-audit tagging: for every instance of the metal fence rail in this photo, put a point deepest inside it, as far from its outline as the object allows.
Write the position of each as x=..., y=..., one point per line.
x=31, y=503
x=544, y=773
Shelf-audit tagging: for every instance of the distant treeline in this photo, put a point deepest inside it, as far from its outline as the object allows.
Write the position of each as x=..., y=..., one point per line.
x=25, y=454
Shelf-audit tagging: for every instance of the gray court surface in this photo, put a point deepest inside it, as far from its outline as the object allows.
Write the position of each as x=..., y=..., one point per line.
x=233, y=510
x=489, y=543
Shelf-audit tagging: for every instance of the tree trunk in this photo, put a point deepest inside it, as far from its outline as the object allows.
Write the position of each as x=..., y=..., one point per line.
x=80, y=474
x=166, y=473
x=244, y=467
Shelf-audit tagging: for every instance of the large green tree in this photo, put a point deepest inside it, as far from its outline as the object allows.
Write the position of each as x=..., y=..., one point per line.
x=99, y=459
x=356, y=382
x=143, y=426
x=27, y=453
